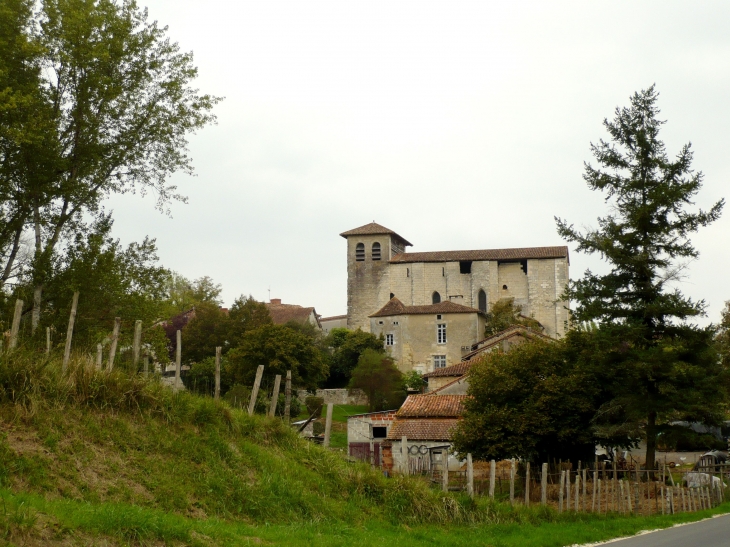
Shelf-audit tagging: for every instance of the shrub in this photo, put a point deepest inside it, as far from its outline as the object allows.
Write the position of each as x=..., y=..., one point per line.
x=314, y=405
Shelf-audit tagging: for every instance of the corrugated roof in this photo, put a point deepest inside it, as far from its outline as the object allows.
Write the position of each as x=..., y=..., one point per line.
x=374, y=229
x=521, y=253
x=423, y=429
x=432, y=406
x=396, y=307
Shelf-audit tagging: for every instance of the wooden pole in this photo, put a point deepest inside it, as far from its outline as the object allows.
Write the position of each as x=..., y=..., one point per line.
x=561, y=492
x=48, y=340
x=287, y=392
x=543, y=484
x=178, y=360
x=218, y=372
x=595, y=485
x=492, y=477
x=255, y=390
x=576, y=506
x=275, y=400
x=328, y=420
x=599, y=496
x=146, y=365
x=115, y=339
x=470, y=476
x=512, y=482
x=99, y=356
x=445, y=472
x=567, y=489
x=622, y=497
x=585, y=476
x=404, y=455
x=527, y=484
x=136, y=344
x=70, y=331
x=15, y=328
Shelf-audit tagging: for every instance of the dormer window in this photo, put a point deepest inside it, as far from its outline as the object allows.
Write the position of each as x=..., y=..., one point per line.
x=360, y=252
x=376, y=251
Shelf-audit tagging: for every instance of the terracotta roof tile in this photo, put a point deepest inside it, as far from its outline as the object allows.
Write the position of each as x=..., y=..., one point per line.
x=396, y=307
x=459, y=369
x=333, y=318
x=432, y=406
x=422, y=429
x=283, y=313
x=510, y=332
x=374, y=229
x=484, y=254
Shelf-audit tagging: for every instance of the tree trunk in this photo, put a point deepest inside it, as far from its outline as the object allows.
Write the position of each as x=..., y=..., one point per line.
x=38, y=286
x=651, y=440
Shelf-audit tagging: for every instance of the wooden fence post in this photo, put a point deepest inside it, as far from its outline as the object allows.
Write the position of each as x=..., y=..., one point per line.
x=404, y=455
x=567, y=489
x=543, y=484
x=576, y=505
x=512, y=482
x=99, y=356
x=492, y=477
x=217, y=392
x=115, y=339
x=15, y=328
x=48, y=340
x=622, y=497
x=527, y=484
x=287, y=394
x=470, y=476
x=275, y=401
x=178, y=360
x=561, y=491
x=585, y=477
x=445, y=473
x=255, y=390
x=328, y=420
x=146, y=365
x=136, y=344
x=70, y=331
x=599, y=496
x=595, y=486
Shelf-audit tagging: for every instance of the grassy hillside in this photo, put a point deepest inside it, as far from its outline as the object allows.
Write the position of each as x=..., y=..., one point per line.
x=97, y=458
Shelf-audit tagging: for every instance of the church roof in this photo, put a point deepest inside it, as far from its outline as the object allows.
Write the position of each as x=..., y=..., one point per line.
x=374, y=229
x=522, y=253
x=396, y=307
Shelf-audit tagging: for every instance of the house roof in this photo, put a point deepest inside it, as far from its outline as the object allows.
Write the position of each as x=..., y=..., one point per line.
x=283, y=313
x=396, y=307
x=374, y=229
x=506, y=334
x=457, y=370
x=521, y=253
x=333, y=318
x=438, y=429
x=432, y=406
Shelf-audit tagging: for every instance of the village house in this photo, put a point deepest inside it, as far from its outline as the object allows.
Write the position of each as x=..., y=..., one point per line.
x=282, y=314
x=366, y=434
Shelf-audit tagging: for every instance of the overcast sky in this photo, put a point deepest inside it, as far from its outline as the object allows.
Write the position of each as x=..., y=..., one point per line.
x=460, y=125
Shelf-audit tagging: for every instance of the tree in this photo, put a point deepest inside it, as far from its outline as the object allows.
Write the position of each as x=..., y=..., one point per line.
x=722, y=340
x=378, y=376
x=504, y=314
x=206, y=331
x=246, y=315
x=279, y=349
x=111, y=97
x=642, y=319
x=347, y=347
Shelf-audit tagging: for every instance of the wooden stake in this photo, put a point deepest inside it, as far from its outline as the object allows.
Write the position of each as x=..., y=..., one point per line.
x=543, y=484
x=328, y=420
x=527, y=484
x=115, y=339
x=70, y=331
x=217, y=394
x=567, y=489
x=255, y=390
x=470, y=476
x=136, y=344
x=99, y=356
x=445, y=473
x=275, y=400
x=585, y=476
x=146, y=365
x=560, y=492
x=287, y=392
x=404, y=455
x=15, y=328
x=599, y=496
x=492, y=477
x=178, y=361
x=595, y=485
x=48, y=340
x=623, y=496
x=628, y=497
x=576, y=506
x=512, y=482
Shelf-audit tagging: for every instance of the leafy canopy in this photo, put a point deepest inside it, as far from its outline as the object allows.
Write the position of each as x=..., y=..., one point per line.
x=378, y=376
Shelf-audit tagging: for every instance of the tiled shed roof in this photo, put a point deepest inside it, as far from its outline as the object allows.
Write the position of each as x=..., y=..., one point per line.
x=374, y=229
x=432, y=406
x=396, y=307
x=459, y=369
x=431, y=429
x=522, y=253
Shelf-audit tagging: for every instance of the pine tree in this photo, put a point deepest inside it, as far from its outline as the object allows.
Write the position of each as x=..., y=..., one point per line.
x=665, y=367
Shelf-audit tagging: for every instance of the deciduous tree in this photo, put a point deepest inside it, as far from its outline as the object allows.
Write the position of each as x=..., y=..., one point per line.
x=378, y=376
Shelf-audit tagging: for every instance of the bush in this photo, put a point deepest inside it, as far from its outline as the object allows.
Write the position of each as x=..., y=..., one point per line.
x=314, y=405
x=318, y=428
x=239, y=396
x=295, y=407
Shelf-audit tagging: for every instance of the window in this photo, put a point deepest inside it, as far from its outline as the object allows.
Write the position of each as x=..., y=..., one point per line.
x=439, y=361
x=376, y=251
x=380, y=322
x=443, y=272
x=389, y=340
x=380, y=432
x=465, y=266
x=435, y=297
x=482, y=301
x=408, y=272
x=360, y=252
x=438, y=317
x=395, y=323
x=504, y=287
x=440, y=333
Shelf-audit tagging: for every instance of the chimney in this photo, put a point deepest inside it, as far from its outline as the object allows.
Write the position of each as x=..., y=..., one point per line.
x=275, y=301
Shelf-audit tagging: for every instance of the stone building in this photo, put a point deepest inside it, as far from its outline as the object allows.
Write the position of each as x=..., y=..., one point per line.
x=379, y=268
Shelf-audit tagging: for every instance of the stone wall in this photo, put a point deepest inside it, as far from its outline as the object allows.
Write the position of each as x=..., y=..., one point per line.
x=336, y=396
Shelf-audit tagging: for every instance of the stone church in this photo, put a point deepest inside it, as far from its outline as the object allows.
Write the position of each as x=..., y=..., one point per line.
x=430, y=306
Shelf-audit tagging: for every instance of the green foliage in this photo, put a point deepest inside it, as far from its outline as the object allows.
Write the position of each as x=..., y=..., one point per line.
x=279, y=349
x=665, y=368
x=182, y=295
x=504, y=314
x=314, y=405
x=208, y=330
x=722, y=339
x=414, y=380
x=318, y=428
x=347, y=347
x=245, y=315
x=295, y=407
x=382, y=382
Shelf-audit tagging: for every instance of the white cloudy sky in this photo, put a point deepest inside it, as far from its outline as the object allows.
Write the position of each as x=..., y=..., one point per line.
x=460, y=125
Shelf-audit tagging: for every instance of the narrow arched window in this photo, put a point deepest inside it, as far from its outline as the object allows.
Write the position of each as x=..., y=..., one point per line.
x=435, y=297
x=482, y=301
x=360, y=252
x=376, y=251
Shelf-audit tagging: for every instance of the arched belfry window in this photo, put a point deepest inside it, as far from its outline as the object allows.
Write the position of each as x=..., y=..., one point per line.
x=376, y=251
x=482, y=301
x=360, y=252
x=435, y=297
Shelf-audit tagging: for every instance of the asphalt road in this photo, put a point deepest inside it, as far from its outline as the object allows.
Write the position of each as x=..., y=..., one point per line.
x=707, y=533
